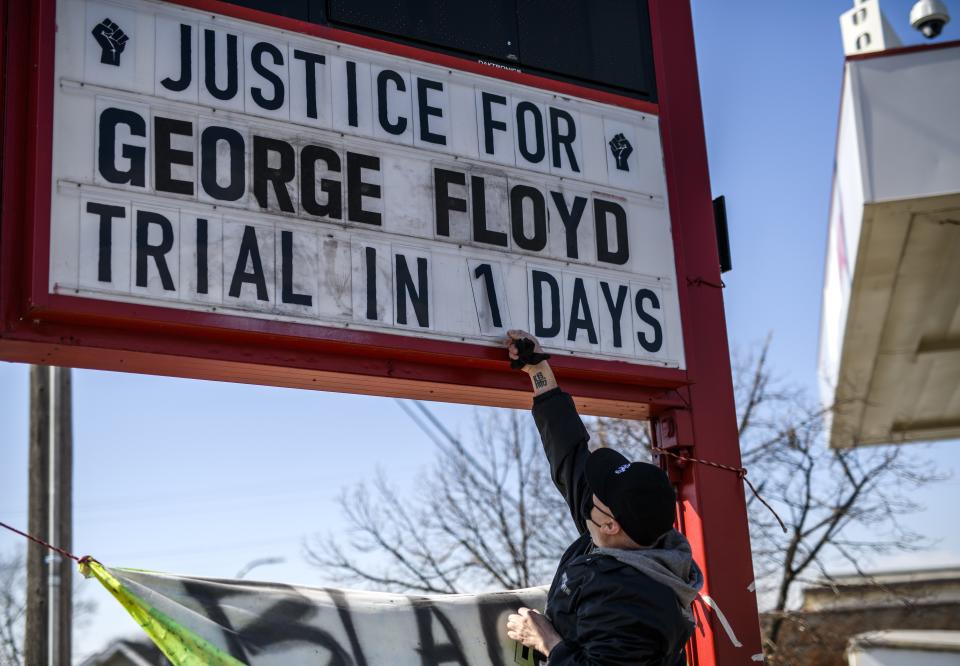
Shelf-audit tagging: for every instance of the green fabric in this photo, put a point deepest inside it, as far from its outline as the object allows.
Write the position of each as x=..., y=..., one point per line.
x=180, y=645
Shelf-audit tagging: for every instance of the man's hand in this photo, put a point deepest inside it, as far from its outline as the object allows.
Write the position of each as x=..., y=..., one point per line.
x=533, y=629
x=541, y=376
x=513, y=351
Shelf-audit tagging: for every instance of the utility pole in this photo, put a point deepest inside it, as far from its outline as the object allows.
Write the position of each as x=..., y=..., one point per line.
x=49, y=578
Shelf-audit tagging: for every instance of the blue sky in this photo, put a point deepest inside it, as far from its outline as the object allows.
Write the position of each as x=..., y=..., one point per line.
x=202, y=477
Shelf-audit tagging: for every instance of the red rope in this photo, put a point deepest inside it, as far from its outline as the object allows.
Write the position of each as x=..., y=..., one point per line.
x=741, y=472
x=43, y=543
x=700, y=282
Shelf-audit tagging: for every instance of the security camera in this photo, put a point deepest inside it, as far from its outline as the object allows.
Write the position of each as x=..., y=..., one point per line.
x=929, y=17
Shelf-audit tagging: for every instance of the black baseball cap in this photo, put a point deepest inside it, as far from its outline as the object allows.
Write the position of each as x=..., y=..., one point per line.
x=639, y=494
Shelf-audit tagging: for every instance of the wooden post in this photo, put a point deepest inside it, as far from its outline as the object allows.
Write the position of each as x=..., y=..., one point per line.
x=64, y=417
x=37, y=637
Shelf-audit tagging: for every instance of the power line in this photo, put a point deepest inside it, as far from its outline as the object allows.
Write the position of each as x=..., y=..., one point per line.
x=420, y=424
x=453, y=442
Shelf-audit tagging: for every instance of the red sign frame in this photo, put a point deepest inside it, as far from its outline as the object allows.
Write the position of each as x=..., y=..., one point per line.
x=692, y=409
x=167, y=341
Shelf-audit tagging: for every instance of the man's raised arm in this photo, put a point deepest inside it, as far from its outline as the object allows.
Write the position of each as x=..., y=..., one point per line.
x=561, y=430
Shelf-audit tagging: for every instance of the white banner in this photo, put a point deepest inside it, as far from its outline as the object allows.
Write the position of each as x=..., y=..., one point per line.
x=221, y=622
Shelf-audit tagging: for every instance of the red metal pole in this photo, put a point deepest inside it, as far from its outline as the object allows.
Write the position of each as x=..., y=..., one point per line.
x=713, y=509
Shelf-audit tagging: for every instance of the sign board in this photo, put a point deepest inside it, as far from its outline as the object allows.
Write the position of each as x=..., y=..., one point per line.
x=220, y=166
x=206, y=176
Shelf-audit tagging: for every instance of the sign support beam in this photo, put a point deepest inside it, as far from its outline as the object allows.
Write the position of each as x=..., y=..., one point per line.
x=713, y=509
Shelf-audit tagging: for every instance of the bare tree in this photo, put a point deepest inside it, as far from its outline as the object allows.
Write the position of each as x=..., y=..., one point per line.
x=763, y=402
x=840, y=507
x=13, y=606
x=487, y=518
x=506, y=525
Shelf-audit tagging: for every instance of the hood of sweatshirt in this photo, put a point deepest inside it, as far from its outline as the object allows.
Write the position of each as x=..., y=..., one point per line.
x=669, y=562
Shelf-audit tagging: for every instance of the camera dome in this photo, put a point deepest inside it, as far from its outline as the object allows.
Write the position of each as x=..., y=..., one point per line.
x=929, y=17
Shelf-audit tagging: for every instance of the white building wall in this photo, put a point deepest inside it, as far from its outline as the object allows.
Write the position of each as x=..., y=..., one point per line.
x=846, y=219
x=898, y=138
x=909, y=113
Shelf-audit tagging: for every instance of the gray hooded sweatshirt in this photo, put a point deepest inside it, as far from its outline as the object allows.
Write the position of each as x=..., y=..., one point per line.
x=669, y=561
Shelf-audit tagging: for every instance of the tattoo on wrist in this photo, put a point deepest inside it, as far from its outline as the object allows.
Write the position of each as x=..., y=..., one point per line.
x=539, y=381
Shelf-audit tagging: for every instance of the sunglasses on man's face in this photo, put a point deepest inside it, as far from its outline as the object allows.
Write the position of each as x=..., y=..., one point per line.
x=591, y=506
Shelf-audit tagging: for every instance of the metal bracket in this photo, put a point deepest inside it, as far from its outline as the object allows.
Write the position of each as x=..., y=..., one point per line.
x=673, y=431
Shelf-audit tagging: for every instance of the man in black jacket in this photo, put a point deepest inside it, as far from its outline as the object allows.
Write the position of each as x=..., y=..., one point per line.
x=623, y=589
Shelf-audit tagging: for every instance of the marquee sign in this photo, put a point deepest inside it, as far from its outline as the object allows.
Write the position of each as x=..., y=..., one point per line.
x=209, y=164
x=199, y=189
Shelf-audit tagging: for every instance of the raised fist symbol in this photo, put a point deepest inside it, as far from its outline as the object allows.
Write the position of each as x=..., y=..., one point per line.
x=621, y=150
x=111, y=40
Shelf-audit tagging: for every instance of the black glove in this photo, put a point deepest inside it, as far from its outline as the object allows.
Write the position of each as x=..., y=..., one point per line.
x=526, y=355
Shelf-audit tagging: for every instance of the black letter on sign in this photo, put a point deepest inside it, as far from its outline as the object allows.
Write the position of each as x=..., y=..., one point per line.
x=430, y=651
x=201, y=256
x=601, y=209
x=540, y=148
x=616, y=309
x=286, y=269
x=352, y=94
x=539, y=239
x=310, y=61
x=480, y=232
x=443, y=203
x=571, y=220
x=423, y=85
x=419, y=296
x=541, y=278
x=489, y=124
x=210, y=65
x=279, y=176
x=566, y=139
x=208, y=163
x=309, y=157
x=249, y=251
x=400, y=126
x=144, y=249
x=357, y=189
x=106, y=156
x=487, y=273
x=164, y=156
x=657, y=343
x=371, y=257
x=580, y=314
x=256, y=60
x=106, y=213
x=186, y=55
